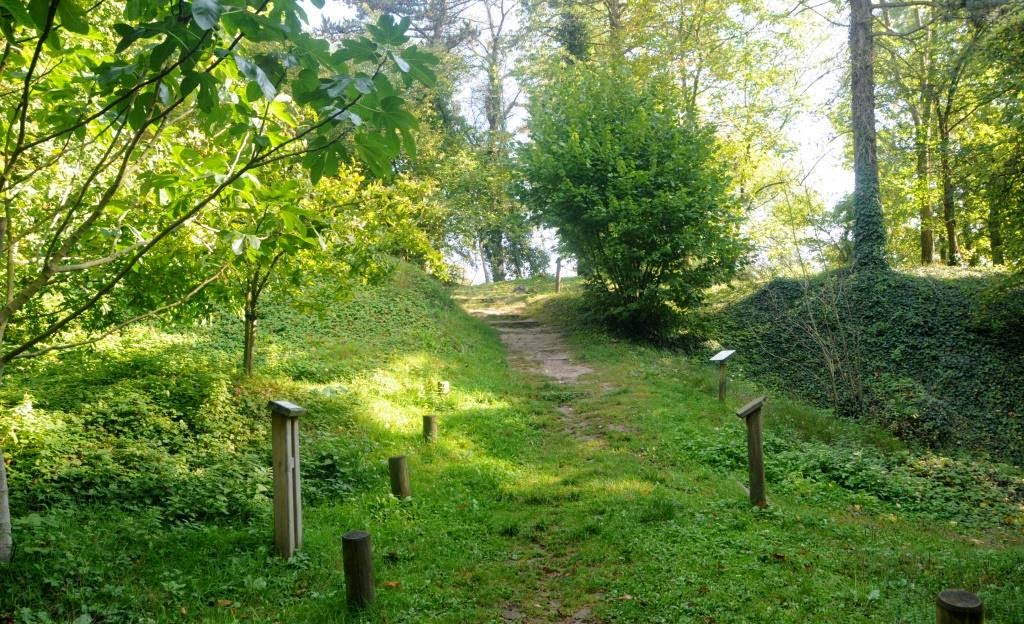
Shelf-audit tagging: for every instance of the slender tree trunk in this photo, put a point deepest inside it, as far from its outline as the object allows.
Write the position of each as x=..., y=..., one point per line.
x=483, y=260
x=948, y=207
x=995, y=232
x=6, y=542
x=868, y=222
x=924, y=197
x=249, y=351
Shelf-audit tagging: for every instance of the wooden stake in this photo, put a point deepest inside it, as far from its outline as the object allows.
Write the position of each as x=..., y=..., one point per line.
x=430, y=428
x=558, y=274
x=755, y=451
x=399, y=470
x=721, y=381
x=287, y=490
x=958, y=606
x=357, y=554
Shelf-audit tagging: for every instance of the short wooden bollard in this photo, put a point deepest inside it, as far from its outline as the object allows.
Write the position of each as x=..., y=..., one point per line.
x=443, y=387
x=720, y=358
x=430, y=428
x=357, y=554
x=751, y=412
x=399, y=470
x=287, y=491
x=558, y=274
x=958, y=606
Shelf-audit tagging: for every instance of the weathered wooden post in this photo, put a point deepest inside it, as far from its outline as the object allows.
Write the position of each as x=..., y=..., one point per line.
x=558, y=274
x=399, y=470
x=287, y=497
x=720, y=359
x=755, y=452
x=958, y=606
x=357, y=555
x=430, y=428
x=444, y=387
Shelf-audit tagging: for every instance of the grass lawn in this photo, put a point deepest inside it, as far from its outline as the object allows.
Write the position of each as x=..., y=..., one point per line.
x=633, y=512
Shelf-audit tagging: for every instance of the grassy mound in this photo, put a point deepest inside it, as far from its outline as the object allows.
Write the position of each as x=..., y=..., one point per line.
x=935, y=357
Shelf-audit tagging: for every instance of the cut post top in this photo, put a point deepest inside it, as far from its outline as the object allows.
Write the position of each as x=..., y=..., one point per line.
x=286, y=408
x=722, y=356
x=960, y=601
x=355, y=536
x=750, y=408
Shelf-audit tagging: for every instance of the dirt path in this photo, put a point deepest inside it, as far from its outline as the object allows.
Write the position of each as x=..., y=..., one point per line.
x=538, y=349
x=532, y=346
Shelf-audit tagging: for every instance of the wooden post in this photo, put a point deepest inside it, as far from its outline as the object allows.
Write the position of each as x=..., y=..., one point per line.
x=287, y=496
x=430, y=428
x=399, y=470
x=357, y=554
x=958, y=606
x=720, y=359
x=558, y=274
x=755, y=452
x=444, y=387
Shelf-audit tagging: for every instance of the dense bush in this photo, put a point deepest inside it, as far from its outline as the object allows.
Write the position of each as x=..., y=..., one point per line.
x=932, y=358
x=635, y=189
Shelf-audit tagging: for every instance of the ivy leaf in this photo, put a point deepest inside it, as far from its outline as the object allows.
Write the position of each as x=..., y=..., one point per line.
x=206, y=13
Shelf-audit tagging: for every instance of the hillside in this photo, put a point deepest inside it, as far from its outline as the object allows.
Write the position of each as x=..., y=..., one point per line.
x=935, y=357
x=140, y=476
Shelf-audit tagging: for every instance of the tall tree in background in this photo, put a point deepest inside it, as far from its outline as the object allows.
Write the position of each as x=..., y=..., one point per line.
x=869, y=251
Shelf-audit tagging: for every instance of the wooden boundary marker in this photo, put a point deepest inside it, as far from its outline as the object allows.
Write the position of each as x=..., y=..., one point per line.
x=430, y=428
x=751, y=412
x=720, y=359
x=357, y=555
x=399, y=470
x=284, y=429
x=958, y=606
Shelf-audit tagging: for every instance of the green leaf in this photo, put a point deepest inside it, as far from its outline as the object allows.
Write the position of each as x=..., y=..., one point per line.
x=206, y=13
x=363, y=85
x=18, y=10
x=72, y=17
x=255, y=73
x=208, y=97
x=403, y=65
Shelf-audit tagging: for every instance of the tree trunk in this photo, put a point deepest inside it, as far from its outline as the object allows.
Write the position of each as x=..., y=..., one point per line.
x=948, y=208
x=868, y=223
x=249, y=350
x=995, y=233
x=6, y=542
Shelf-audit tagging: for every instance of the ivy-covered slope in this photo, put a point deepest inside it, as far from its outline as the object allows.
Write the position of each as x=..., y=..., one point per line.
x=936, y=357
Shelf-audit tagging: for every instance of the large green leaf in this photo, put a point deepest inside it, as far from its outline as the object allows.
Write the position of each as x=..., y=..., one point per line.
x=206, y=13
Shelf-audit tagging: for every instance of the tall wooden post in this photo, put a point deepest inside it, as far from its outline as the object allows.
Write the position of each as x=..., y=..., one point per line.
x=357, y=555
x=958, y=606
x=399, y=471
x=558, y=274
x=287, y=496
x=720, y=359
x=751, y=412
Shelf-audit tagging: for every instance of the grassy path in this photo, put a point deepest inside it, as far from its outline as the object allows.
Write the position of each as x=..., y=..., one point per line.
x=613, y=497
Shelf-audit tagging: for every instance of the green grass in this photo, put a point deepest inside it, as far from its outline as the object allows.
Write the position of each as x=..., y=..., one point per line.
x=639, y=516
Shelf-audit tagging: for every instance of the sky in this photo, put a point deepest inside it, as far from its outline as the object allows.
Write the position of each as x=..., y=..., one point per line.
x=819, y=151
